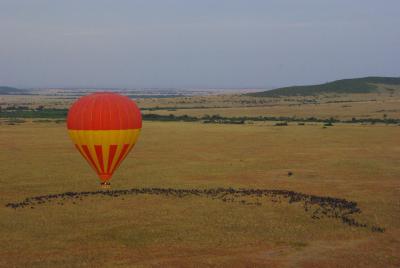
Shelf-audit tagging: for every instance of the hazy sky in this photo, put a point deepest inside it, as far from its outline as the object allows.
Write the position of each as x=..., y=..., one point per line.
x=195, y=43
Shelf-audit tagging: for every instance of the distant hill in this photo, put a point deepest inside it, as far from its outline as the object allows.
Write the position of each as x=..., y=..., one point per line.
x=10, y=90
x=356, y=85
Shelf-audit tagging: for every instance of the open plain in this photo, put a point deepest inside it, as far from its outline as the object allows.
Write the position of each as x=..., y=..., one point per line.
x=355, y=162
x=264, y=134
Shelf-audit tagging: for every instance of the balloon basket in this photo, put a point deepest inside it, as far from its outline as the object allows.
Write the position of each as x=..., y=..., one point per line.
x=105, y=185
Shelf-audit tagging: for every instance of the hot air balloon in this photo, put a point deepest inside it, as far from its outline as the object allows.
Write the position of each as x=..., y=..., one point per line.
x=104, y=128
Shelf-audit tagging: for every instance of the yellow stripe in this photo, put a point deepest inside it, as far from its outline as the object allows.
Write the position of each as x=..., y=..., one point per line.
x=87, y=159
x=105, y=138
x=125, y=136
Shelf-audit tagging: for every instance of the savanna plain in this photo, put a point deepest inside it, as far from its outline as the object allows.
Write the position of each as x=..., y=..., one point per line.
x=353, y=161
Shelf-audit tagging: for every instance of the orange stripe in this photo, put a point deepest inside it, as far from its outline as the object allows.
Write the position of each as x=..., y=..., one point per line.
x=99, y=154
x=111, y=154
x=86, y=150
x=84, y=156
x=121, y=157
x=79, y=149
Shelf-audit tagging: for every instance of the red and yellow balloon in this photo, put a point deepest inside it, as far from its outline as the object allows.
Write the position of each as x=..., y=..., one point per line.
x=104, y=128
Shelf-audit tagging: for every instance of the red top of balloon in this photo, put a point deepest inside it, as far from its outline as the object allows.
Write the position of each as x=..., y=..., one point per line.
x=104, y=111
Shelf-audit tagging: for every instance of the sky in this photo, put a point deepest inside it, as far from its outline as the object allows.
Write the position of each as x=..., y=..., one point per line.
x=196, y=43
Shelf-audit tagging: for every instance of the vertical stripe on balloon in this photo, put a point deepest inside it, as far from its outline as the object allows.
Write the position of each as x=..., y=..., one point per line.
x=111, y=154
x=89, y=156
x=99, y=154
x=84, y=156
x=104, y=150
x=121, y=156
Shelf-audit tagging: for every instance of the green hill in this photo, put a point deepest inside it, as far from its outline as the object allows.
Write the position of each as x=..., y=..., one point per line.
x=356, y=85
x=10, y=90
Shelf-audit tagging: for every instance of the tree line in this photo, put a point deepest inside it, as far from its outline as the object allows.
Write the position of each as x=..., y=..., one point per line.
x=41, y=112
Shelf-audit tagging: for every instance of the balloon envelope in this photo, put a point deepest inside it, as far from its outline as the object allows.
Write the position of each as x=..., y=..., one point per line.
x=104, y=128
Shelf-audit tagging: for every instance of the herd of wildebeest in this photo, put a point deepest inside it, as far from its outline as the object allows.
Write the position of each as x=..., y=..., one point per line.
x=318, y=206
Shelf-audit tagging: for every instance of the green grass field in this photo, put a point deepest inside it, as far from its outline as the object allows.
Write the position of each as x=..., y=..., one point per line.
x=358, y=163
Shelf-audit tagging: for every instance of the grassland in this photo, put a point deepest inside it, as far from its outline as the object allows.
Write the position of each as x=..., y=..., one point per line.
x=357, y=162
x=337, y=106
x=340, y=106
